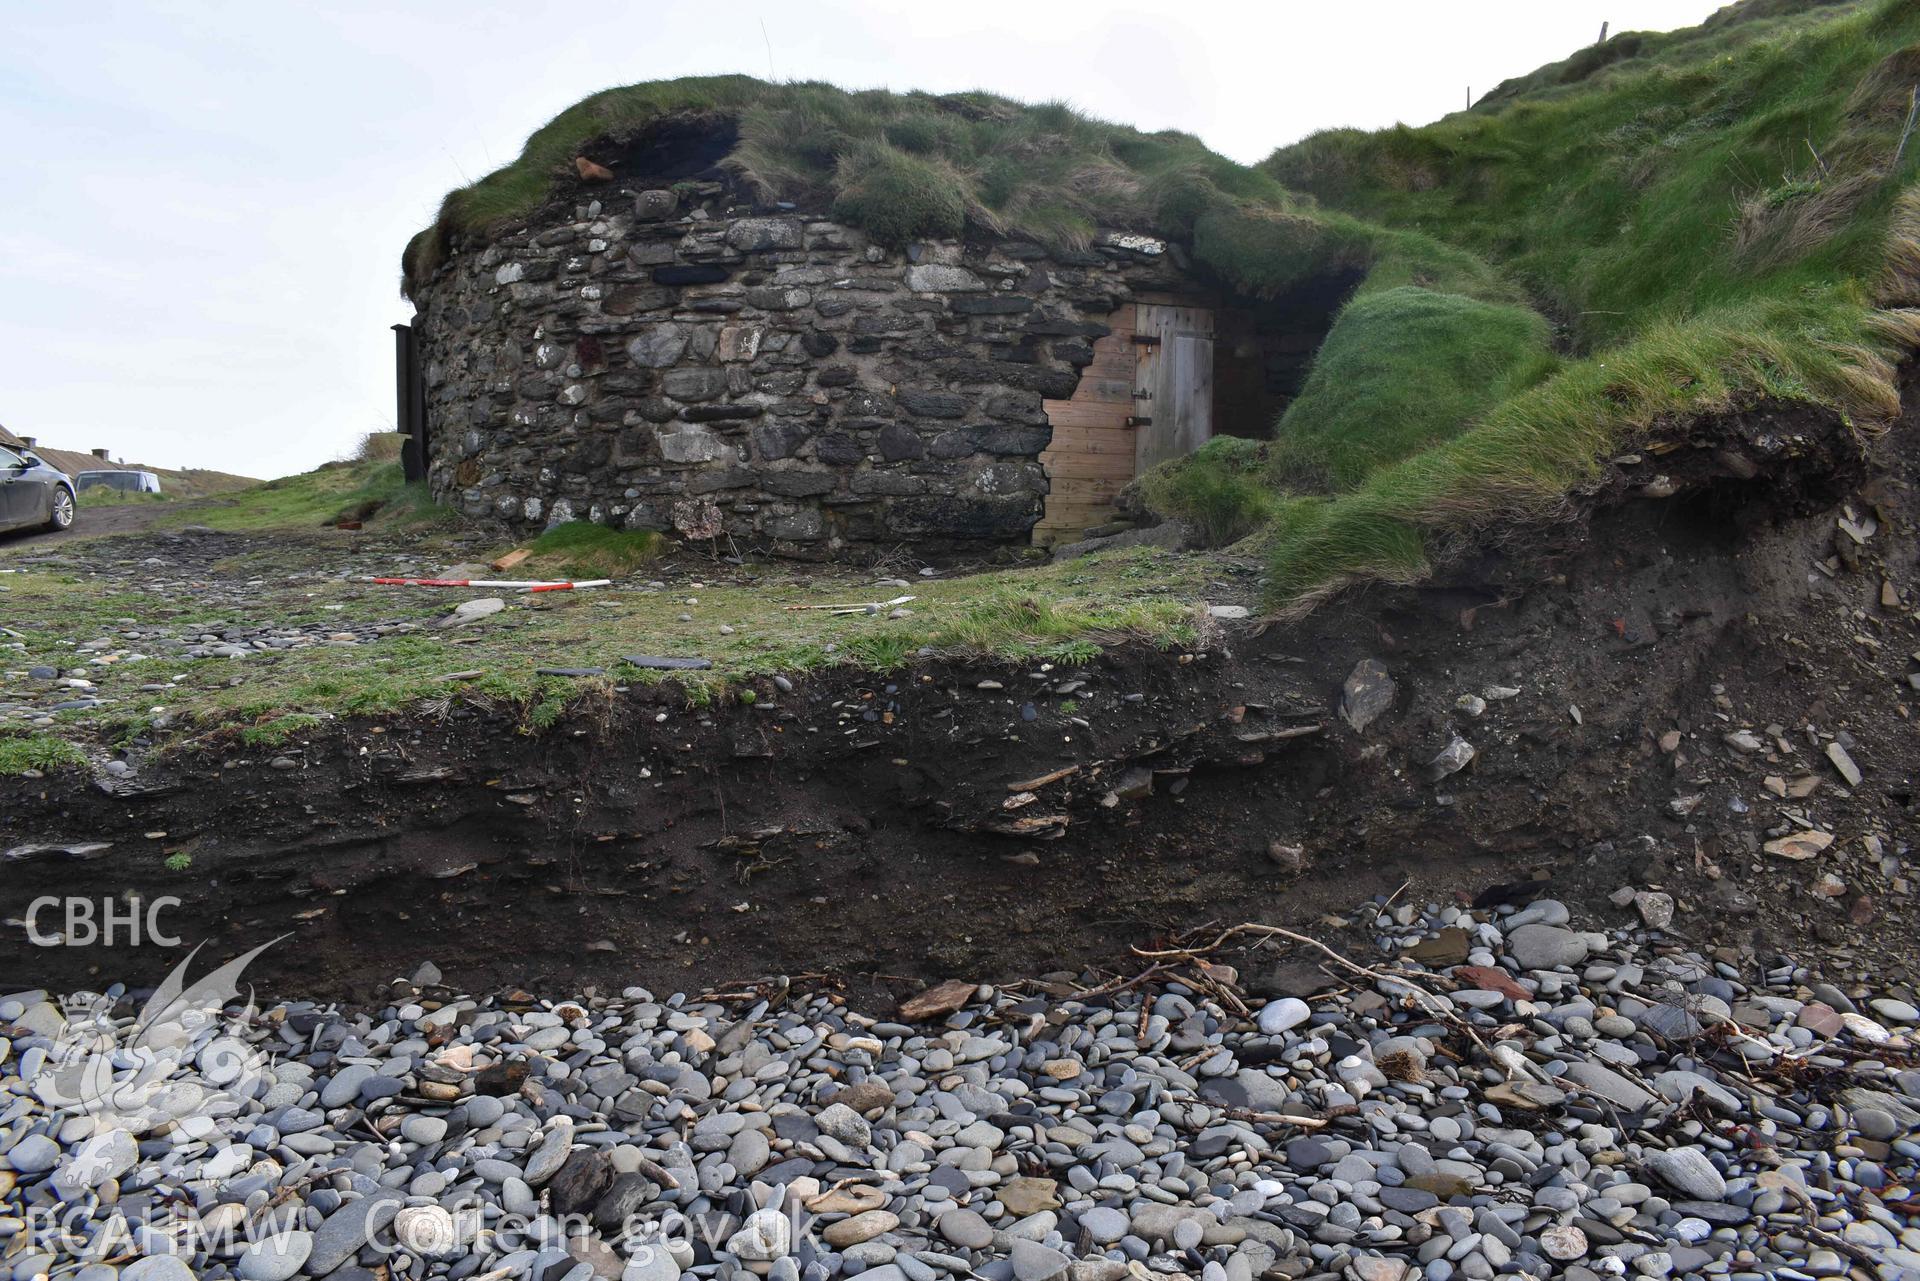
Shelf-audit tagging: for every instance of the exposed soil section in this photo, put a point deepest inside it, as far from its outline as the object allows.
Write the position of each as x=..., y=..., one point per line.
x=867, y=827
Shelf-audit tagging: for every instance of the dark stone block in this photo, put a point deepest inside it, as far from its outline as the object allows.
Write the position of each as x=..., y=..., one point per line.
x=628, y=300
x=818, y=344
x=836, y=376
x=752, y=235
x=538, y=270
x=690, y=273
x=1054, y=384
x=957, y=443
x=698, y=383
x=932, y=349
x=771, y=299
x=656, y=410
x=716, y=306
x=773, y=441
x=1077, y=258
x=992, y=305
x=797, y=484
x=838, y=449
x=956, y=517
x=934, y=404
x=1008, y=477
x=656, y=205
x=784, y=384
x=627, y=384
x=887, y=483
x=720, y=413
x=655, y=253
x=897, y=443
x=1027, y=441
x=1017, y=407
x=589, y=455
x=713, y=479
x=865, y=346
x=1075, y=353
x=636, y=445
x=831, y=307
x=868, y=404
x=1048, y=324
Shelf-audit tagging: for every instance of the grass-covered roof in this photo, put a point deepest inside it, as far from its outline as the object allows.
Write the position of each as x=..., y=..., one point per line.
x=1656, y=228
x=908, y=166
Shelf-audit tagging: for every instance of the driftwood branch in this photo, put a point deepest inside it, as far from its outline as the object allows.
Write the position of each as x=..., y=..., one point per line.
x=1426, y=999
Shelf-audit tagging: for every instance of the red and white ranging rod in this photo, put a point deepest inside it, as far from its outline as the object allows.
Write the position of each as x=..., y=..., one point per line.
x=504, y=584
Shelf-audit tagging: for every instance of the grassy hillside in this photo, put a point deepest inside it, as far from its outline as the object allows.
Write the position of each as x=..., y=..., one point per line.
x=1706, y=218
x=354, y=490
x=1656, y=228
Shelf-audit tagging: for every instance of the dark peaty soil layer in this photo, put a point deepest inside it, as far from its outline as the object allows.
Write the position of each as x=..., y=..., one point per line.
x=871, y=829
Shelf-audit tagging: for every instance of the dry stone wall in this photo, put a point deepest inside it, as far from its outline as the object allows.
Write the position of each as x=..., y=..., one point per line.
x=680, y=360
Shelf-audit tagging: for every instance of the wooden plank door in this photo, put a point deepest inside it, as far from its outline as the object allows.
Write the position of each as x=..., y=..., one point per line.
x=1147, y=397
x=1173, y=382
x=1090, y=459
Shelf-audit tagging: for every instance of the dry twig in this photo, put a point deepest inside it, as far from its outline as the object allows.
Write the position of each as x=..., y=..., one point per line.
x=1425, y=998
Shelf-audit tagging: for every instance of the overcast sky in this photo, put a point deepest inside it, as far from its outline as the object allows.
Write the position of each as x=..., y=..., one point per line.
x=203, y=205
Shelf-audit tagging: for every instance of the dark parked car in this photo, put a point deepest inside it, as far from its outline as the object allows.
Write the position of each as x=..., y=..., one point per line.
x=33, y=494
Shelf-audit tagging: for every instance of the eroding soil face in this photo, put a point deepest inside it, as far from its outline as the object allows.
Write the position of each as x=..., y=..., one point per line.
x=867, y=827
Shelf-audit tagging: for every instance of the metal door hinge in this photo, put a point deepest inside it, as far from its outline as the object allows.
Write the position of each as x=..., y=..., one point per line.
x=1139, y=422
x=1146, y=340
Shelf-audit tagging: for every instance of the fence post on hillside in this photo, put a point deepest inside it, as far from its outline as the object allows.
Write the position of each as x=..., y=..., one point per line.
x=1603, y=34
x=1913, y=110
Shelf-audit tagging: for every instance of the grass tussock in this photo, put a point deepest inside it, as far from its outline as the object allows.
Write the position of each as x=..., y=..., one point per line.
x=379, y=447
x=1222, y=488
x=1401, y=371
x=581, y=549
x=43, y=752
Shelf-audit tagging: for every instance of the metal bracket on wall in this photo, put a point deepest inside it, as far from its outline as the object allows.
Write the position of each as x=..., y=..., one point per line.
x=1139, y=422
